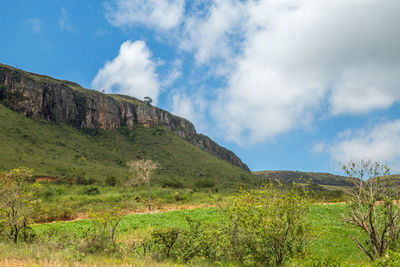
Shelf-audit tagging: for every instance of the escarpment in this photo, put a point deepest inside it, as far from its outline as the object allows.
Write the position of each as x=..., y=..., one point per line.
x=40, y=96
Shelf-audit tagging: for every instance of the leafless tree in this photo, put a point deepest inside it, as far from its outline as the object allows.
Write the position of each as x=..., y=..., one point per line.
x=142, y=171
x=372, y=206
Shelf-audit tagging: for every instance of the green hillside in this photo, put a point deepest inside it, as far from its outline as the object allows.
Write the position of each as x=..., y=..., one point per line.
x=57, y=149
x=326, y=179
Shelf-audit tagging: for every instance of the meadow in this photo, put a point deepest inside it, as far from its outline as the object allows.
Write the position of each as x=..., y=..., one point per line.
x=331, y=244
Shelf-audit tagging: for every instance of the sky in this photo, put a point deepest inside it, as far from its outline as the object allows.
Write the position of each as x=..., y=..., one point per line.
x=285, y=84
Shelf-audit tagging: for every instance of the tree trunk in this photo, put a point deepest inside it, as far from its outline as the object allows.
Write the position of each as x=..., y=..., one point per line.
x=148, y=194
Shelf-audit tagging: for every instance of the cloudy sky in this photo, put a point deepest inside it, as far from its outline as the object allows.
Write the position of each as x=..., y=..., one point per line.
x=285, y=84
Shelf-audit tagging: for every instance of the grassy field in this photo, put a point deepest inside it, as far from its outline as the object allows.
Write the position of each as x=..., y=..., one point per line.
x=332, y=237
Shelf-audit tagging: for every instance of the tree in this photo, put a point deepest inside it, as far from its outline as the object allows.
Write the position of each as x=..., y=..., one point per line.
x=371, y=206
x=17, y=200
x=148, y=100
x=142, y=171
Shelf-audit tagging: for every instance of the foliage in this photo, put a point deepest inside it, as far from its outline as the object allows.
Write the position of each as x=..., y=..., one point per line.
x=166, y=238
x=104, y=226
x=56, y=149
x=172, y=183
x=205, y=183
x=269, y=225
x=372, y=208
x=142, y=171
x=148, y=100
x=18, y=201
x=111, y=180
x=91, y=190
x=266, y=226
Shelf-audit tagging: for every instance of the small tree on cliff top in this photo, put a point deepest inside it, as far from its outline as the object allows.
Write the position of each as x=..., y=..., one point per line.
x=142, y=171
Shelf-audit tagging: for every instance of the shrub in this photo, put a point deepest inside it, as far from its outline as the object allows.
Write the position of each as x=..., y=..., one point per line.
x=379, y=223
x=91, y=190
x=102, y=235
x=172, y=183
x=269, y=225
x=111, y=180
x=166, y=239
x=205, y=183
x=18, y=200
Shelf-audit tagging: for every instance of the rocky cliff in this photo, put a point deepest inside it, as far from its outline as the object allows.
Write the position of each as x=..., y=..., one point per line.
x=40, y=96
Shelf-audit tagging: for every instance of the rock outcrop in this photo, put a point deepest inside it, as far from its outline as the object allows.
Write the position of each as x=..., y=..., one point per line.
x=40, y=96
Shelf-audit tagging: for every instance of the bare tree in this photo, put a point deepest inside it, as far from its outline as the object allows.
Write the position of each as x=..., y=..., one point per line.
x=372, y=207
x=142, y=171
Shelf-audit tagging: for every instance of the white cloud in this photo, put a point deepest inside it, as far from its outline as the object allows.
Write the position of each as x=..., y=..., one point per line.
x=36, y=25
x=189, y=107
x=64, y=21
x=211, y=36
x=162, y=14
x=379, y=143
x=132, y=73
x=285, y=61
x=298, y=54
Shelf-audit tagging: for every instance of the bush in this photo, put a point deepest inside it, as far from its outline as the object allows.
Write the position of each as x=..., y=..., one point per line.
x=172, y=183
x=102, y=235
x=91, y=190
x=205, y=183
x=111, y=180
x=269, y=225
x=166, y=239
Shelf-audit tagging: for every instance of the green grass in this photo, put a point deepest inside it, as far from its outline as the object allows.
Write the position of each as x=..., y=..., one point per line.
x=332, y=234
x=56, y=149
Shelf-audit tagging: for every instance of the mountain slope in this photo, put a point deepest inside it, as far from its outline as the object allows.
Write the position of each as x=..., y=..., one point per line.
x=58, y=149
x=40, y=96
x=315, y=177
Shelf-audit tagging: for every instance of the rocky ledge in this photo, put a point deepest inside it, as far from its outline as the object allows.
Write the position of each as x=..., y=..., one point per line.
x=40, y=96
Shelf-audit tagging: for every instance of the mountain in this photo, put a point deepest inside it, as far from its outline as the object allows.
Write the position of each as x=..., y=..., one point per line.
x=326, y=179
x=43, y=97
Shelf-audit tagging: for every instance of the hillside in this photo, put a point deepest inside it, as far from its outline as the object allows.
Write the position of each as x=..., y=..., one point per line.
x=58, y=149
x=326, y=179
x=43, y=97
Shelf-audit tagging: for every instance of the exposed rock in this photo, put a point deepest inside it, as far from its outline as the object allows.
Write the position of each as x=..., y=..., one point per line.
x=205, y=143
x=40, y=96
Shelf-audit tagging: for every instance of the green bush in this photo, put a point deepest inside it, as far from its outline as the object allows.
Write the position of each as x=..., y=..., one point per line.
x=205, y=183
x=165, y=239
x=172, y=183
x=91, y=190
x=111, y=180
x=269, y=225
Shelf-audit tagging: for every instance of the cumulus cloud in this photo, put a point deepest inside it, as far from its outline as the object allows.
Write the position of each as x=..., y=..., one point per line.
x=284, y=62
x=132, y=73
x=298, y=55
x=379, y=143
x=189, y=107
x=162, y=14
x=213, y=35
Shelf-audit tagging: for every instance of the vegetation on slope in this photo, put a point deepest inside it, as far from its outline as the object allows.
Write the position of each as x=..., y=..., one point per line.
x=57, y=149
x=315, y=177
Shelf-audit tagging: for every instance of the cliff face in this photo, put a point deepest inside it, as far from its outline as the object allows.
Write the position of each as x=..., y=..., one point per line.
x=40, y=96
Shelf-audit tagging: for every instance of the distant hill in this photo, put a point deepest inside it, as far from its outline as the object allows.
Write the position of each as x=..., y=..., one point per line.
x=327, y=179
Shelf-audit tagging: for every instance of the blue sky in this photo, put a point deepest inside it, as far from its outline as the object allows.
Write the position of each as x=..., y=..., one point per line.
x=285, y=84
